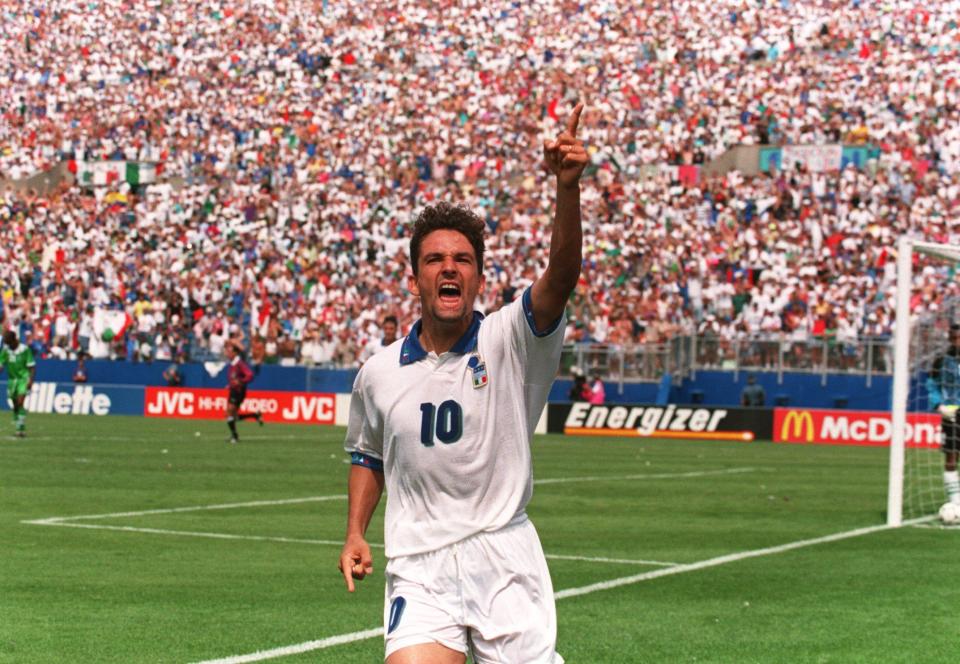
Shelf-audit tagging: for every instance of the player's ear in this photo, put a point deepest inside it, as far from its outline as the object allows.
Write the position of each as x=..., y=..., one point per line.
x=412, y=284
x=483, y=283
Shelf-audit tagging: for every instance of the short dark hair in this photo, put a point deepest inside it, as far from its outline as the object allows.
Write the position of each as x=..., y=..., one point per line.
x=444, y=216
x=390, y=319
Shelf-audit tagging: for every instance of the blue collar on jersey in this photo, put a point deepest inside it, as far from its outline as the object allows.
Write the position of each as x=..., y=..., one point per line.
x=412, y=351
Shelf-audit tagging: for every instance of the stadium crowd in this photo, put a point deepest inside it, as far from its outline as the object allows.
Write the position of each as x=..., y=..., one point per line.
x=294, y=142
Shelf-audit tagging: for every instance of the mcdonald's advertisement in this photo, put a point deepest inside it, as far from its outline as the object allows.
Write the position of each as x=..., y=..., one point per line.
x=851, y=427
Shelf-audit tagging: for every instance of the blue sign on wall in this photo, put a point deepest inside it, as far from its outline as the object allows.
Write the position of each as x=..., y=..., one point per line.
x=81, y=399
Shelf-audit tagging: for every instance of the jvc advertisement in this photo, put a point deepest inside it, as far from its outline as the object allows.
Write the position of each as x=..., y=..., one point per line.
x=211, y=404
x=180, y=403
x=668, y=421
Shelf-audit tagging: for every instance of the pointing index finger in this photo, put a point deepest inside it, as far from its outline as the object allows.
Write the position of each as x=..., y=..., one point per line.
x=574, y=119
x=344, y=566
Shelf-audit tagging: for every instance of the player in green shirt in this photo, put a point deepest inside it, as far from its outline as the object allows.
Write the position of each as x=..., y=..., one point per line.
x=21, y=368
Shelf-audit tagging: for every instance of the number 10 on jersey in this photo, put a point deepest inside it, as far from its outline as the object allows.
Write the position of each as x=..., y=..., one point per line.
x=445, y=422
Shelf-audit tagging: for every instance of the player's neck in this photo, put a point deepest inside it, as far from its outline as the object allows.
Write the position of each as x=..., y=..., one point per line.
x=440, y=336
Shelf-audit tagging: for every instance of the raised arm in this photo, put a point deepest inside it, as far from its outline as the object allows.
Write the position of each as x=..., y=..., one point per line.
x=566, y=158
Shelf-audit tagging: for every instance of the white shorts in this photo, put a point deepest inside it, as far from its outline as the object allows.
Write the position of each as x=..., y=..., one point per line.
x=489, y=595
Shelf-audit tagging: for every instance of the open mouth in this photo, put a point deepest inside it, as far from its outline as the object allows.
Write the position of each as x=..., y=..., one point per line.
x=449, y=293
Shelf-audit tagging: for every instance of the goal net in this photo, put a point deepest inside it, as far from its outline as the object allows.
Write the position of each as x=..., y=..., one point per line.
x=927, y=304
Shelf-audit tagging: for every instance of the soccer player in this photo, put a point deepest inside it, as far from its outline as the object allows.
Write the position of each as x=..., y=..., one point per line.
x=239, y=375
x=17, y=359
x=389, y=327
x=444, y=419
x=943, y=388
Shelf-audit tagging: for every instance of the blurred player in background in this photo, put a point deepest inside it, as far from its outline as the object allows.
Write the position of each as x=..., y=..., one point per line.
x=445, y=421
x=239, y=375
x=17, y=359
x=943, y=388
x=389, y=328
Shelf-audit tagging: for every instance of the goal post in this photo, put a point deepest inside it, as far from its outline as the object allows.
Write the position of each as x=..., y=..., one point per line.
x=901, y=382
x=914, y=485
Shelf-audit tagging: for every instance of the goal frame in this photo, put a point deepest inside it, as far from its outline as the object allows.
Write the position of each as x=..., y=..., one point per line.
x=906, y=249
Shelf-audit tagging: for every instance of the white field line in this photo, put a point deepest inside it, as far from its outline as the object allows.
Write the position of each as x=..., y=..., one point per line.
x=936, y=525
x=299, y=648
x=613, y=561
x=295, y=540
x=56, y=520
x=723, y=560
x=648, y=476
x=573, y=592
x=191, y=533
x=312, y=499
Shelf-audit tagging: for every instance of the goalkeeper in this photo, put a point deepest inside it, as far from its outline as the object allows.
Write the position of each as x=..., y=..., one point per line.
x=943, y=388
x=21, y=368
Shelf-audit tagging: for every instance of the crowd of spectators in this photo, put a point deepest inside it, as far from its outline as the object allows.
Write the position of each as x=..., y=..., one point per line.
x=296, y=140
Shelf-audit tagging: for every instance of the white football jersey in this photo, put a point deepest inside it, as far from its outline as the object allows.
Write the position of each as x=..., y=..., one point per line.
x=372, y=347
x=453, y=431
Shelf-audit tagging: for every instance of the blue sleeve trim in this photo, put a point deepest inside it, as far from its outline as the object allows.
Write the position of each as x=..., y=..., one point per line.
x=360, y=459
x=528, y=312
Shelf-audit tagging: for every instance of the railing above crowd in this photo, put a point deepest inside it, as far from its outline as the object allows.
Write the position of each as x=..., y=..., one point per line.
x=680, y=357
x=684, y=356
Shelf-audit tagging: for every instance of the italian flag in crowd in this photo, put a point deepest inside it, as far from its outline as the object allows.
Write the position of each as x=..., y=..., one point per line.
x=114, y=324
x=101, y=173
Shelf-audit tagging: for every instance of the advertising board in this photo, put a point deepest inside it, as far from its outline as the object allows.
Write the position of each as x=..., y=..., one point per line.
x=211, y=404
x=668, y=421
x=851, y=427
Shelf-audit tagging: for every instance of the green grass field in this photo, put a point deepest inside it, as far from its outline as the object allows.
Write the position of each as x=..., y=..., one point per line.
x=153, y=541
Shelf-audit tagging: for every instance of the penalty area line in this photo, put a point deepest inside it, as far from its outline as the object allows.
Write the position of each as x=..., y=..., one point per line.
x=56, y=520
x=645, y=476
x=577, y=592
x=192, y=533
x=314, y=499
x=296, y=540
x=723, y=560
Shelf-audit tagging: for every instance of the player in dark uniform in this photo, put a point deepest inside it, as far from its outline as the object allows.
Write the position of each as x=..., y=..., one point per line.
x=943, y=388
x=239, y=375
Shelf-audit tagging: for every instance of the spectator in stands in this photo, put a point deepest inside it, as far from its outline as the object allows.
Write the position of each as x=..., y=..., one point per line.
x=287, y=350
x=250, y=211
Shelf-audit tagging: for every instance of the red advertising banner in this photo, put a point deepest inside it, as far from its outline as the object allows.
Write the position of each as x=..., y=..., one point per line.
x=851, y=427
x=211, y=404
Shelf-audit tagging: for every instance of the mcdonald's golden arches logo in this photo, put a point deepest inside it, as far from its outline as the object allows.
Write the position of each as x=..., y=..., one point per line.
x=797, y=425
